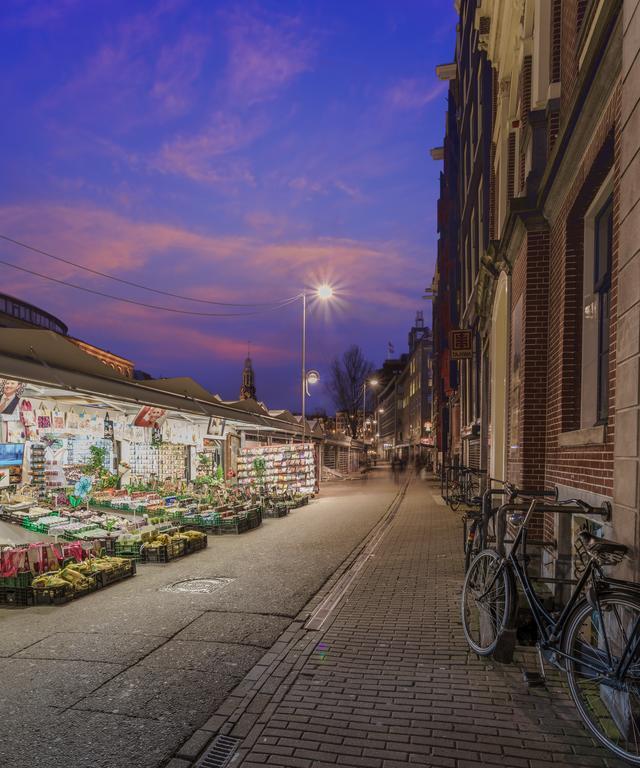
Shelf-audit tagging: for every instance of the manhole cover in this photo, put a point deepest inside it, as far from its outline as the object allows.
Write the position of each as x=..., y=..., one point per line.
x=201, y=586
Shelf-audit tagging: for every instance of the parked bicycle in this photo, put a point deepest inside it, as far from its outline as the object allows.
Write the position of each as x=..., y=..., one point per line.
x=594, y=639
x=463, y=486
x=479, y=524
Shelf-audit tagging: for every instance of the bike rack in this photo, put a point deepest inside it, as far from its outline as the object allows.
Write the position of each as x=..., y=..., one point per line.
x=501, y=526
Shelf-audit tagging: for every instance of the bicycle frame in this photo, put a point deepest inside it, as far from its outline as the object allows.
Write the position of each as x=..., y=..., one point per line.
x=551, y=629
x=512, y=493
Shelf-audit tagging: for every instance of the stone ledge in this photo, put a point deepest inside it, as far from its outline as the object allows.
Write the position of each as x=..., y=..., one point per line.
x=580, y=437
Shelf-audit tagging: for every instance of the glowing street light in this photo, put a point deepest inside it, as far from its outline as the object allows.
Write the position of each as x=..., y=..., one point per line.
x=313, y=377
x=371, y=383
x=323, y=292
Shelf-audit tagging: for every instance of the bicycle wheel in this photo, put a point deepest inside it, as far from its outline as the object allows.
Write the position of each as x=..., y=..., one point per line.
x=595, y=641
x=486, y=602
x=473, y=487
x=453, y=497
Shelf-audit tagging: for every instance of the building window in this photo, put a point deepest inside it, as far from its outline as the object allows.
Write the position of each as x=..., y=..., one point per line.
x=603, y=247
x=596, y=310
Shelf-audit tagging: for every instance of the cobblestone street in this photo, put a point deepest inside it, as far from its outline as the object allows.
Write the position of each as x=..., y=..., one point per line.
x=389, y=680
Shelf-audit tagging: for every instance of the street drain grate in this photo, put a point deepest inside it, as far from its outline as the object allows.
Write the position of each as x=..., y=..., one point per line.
x=219, y=753
x=197, y=586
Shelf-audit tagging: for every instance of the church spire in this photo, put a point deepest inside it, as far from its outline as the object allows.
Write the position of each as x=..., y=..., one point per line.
x=248, y=388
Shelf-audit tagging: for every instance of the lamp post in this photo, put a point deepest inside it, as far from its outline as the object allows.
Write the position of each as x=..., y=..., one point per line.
x=378, y=412
x=324, y=292
x=372, y=383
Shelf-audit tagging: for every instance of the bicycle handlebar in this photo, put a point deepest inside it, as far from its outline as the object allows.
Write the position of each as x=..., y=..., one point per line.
x=514, y=492
x=583, y=507
x=535, y=493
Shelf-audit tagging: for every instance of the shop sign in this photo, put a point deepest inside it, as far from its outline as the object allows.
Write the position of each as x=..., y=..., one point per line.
x=461, y=344
x=149, y=417
x=216, y=427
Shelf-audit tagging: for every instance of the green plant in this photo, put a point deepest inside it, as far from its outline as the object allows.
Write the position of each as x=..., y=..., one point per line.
x=95, y=465
x=260, y=468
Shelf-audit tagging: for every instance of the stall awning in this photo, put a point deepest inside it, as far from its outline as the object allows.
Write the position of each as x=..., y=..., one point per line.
x=47, y=359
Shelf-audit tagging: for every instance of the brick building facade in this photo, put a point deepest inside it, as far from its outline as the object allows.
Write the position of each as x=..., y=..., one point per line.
x=548, y=301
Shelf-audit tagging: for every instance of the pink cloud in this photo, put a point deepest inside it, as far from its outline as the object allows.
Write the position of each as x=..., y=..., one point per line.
x=269, y=224
x=265, y=55
x=231, y=268
x=178, y=67
x=413, y=94
x=187, y=342
x=202, y=156
x=138, y=75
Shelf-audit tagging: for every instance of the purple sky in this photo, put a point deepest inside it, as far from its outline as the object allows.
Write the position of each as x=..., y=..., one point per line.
x=233, y=151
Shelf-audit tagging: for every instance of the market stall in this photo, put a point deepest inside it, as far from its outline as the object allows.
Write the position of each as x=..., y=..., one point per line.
x=138, y=470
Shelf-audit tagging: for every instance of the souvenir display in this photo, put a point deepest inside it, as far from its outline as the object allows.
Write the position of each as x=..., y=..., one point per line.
x=282, y=468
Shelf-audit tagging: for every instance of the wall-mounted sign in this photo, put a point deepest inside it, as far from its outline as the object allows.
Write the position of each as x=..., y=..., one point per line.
x=150, y=417
x=216, y=426
x=10, y=393
x=461, y=344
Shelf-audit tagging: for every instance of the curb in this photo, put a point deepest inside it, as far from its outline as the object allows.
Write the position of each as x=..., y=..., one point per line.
x=246, y=711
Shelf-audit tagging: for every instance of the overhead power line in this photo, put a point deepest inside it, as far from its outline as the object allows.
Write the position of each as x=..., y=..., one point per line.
x=265, y=308
x=141, y=286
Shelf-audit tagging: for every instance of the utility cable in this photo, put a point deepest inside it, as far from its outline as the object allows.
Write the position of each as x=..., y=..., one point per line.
x=266, y=308
x=134, y=284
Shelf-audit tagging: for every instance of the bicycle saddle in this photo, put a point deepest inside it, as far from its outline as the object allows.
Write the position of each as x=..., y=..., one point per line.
x=598, y=547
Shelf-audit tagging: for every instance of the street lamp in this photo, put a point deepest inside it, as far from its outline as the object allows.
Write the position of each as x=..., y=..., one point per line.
x=323, y=292
x=378, y=412
x=371, y=383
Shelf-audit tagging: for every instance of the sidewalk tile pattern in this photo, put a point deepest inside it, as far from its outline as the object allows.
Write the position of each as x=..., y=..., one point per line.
x=392, y=682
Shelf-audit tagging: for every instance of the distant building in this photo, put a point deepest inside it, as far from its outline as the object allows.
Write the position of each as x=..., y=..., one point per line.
x=404, y=400
x=445, y=287
x=15, y=313
x=248, y=388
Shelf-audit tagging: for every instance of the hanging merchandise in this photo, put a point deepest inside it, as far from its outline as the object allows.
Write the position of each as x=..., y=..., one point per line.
x=37, y=468
x=289, y=468
x=73, y=421
x=156, y=436
x=108, y=427
x=44, y=421
x=27, y=414
x=173, y=462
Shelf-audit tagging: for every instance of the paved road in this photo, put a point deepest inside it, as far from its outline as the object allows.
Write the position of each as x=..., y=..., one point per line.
x=124, y=676
x=389, y=681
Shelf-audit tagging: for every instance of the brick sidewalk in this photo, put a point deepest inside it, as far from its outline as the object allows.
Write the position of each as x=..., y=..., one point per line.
x=391, y=682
